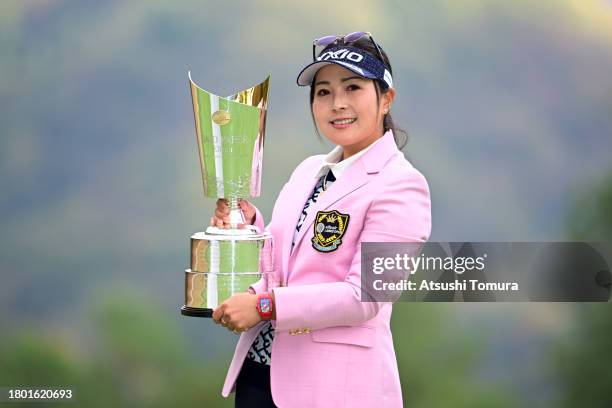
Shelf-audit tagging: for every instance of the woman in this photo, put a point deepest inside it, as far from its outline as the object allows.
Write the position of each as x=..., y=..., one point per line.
x=308, y=340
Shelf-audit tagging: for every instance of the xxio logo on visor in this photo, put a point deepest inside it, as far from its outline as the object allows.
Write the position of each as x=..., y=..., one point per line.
x=329, y=228
x=341, y=54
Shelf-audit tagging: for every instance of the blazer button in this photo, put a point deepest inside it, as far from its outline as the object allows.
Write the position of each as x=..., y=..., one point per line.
x=299, y=331
x=292, y=332
x=306, y=331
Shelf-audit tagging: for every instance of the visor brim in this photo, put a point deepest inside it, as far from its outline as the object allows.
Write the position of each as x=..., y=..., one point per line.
x=307, y=74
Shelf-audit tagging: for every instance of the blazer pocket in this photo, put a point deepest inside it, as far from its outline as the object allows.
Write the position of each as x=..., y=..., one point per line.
x=364, y=336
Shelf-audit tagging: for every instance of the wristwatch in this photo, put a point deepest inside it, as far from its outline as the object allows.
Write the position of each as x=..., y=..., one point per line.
x=265, y=306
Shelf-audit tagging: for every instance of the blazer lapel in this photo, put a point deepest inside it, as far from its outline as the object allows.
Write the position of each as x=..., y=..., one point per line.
x=294, y=209
x=357, y=175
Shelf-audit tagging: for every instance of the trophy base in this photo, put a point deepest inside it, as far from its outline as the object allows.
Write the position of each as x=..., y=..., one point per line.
x=196, y=312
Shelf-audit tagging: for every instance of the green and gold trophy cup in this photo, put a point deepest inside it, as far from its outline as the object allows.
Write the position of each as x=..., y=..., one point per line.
x=230, y=135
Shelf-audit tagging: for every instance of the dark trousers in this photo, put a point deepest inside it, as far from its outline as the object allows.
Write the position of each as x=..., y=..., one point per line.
x=253, y=386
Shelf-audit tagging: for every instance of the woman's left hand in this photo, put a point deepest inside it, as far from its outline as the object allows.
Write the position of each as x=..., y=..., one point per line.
x=238, y=313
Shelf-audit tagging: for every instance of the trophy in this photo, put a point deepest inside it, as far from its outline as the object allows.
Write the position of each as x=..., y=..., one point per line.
x=230, y=135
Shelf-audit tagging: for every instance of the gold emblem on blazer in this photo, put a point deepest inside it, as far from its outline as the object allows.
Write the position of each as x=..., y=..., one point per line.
x=329, y=228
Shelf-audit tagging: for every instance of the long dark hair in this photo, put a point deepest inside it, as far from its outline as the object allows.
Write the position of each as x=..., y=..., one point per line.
x=364, y=43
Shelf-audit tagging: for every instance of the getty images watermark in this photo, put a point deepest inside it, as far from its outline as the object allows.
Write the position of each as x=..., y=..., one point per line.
x=486, y=272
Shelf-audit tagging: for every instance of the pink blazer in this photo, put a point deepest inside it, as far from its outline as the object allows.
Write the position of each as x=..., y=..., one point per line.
x=330, y=349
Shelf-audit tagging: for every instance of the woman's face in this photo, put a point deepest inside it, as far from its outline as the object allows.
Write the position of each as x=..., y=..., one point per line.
x=345, y=108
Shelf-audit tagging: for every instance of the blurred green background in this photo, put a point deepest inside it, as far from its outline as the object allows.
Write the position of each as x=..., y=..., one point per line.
x=509, y=110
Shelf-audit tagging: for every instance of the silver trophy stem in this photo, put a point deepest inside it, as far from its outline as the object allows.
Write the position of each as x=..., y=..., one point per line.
x=236, y=216
x=237, y=222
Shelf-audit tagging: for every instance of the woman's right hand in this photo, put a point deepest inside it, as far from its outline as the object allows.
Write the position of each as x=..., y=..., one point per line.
x=221, y=217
